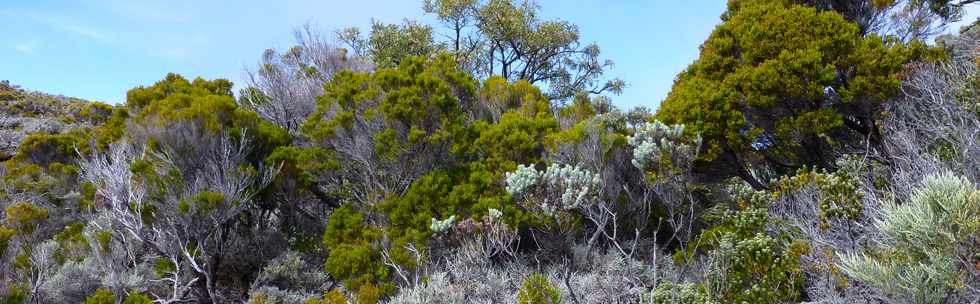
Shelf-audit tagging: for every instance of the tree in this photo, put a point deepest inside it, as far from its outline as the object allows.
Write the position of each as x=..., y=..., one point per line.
x=781, y=86
x=389, y=44
x=505, y=38
x=285, y=86
x=519, y=45
x=178, y=187
x=907, y=19
x=394, y=125
x=458, y=16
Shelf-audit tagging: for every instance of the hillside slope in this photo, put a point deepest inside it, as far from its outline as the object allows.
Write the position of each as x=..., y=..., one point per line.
x=24, y=112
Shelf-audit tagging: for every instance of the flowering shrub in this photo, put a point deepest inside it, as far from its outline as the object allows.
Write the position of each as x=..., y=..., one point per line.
x=521, y=179
x=441, y=226
x=552, y=196
x=748, y=264
x=687, y=293
x=558, y=188
x=660, y=146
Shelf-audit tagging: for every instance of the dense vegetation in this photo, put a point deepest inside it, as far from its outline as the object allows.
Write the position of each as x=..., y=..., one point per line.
x=816, y=151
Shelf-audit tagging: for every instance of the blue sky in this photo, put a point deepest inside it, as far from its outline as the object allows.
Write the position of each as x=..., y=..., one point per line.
x=99, y=49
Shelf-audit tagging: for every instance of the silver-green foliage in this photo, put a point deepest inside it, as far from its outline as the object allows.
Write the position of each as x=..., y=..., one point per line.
x=650, y=141
x=440, y=226
x=920, y=241
x=288, y=278
x=438, y=289
x=559, y=187
x=669, y=292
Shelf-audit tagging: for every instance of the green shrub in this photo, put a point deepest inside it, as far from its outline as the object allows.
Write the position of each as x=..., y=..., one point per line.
x=5, y=235
x=15, y=294
x=137, y=298
x=303, y=165
x=207, y=105
x=96, y=112
x=917, y=257
x=101, y=296
x=202, y=204
x=368, y=294
x=686, y=293
x=781, y=80
x=44, y=149
x=354, y=257
x=334, y=296
x=538, y=290
x=25, y=217
x=840, y=197
x=72, y=244
x=751, y=266
x=428, y=197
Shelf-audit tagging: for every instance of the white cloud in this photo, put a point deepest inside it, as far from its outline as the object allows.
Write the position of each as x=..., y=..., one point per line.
x=68, y=26
x=165, y=11
x=26, y=48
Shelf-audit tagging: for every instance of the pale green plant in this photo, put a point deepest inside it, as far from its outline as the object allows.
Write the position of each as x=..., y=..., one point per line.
x=441, y=226
x=916, y=258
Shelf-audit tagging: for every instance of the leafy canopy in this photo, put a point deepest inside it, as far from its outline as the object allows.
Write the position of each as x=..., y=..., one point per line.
x=786, y=84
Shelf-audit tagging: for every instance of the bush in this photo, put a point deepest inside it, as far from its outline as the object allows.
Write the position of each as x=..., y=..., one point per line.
x=332, y=297
x=921, y=251
x=14, y=294
x=839, y=197
x=274, y=295
x=685, y=293
x=24, y=217
x=747, y=264
x=775, y=84
x=101, y=296
x=44, y=149
x=354, y=257
x=553, y=197
x=558, y=188
x=428, y=197
x=72, y=282
x=538, y=290
x=137, y=298
x=289, y=271
x=436, y=290
x=5, y=235
x=662, y=148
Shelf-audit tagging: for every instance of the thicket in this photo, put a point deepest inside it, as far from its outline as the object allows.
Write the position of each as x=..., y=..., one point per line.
x=817, y=151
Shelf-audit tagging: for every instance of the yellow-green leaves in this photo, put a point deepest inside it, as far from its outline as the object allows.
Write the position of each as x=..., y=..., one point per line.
x=537, y=289
x=24, y=217
x=390, y=44
x=781, y=80
x=202, y=203
x=354, y=257
x=44, y=149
